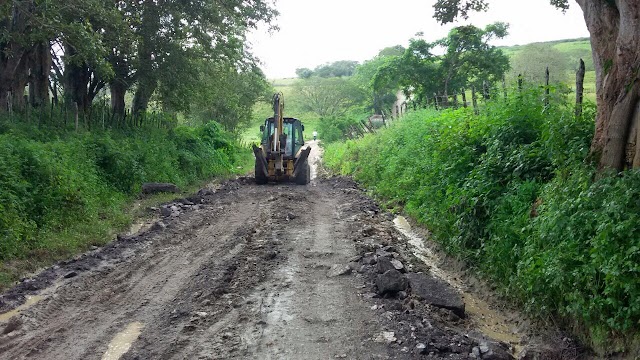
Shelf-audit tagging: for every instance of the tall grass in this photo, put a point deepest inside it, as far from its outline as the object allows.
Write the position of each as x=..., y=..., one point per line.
x=509, y=191
x=61, y=191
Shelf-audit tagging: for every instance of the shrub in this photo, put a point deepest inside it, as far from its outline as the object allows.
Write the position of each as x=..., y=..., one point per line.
x=509, y=191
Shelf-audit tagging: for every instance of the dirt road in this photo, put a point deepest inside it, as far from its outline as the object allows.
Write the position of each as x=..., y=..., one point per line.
x=245, y=271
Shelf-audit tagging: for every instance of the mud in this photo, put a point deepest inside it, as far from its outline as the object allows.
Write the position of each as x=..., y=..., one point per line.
x=241, y=271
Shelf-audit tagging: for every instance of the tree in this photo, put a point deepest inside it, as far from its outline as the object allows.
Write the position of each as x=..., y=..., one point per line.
x=304, y=73
x=336, y=69
x=329, y=97
x=381, y=98
x=469, y=59
x=615, y=40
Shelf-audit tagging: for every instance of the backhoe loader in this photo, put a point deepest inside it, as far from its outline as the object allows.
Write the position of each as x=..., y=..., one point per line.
x=280, y=156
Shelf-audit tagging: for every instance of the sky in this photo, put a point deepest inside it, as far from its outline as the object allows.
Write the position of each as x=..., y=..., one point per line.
x=315, y=32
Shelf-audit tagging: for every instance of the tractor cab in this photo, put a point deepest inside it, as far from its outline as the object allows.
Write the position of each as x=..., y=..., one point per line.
x=291, y=134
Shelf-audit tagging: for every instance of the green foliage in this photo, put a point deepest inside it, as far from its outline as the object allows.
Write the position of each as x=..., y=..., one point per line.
x=338, y=128
x=60, y=194
x=468, y=60
x=332, y=97
x=509, y=192
x=336, y=69
x=304, y=73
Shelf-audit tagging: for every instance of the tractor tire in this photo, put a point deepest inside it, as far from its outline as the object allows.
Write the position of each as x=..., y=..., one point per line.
x=304, y=175
x=259, y=175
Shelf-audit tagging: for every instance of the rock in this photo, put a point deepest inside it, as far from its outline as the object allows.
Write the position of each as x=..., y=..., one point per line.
x=493, y=351
x=159, y=226
x=270, y=255
x=397, y=265
x=475, y=352
x=381, y=253
x=15, y=323
x=356, y=258
x=421, y=348
x=391, y=281
x=154, y=188
x=71, y=275
x=165, y=211
x=389, y=249
x=384, y=265
x=174, y=208
x=354, y=266
x=436, y=292
x=367, y=231
x=369, y=260
x=338, y=270
x=387, y=337
x=291, y=216
x=402, y=295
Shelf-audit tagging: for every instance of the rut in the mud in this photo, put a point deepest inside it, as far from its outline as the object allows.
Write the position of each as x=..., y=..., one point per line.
x=246, y=271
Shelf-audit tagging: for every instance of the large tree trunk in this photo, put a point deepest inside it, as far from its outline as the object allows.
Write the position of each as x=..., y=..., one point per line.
x=615, y=40
x=76, y=79
x=13, y=54
x=147, y=75
x=118, y=90
x=39, y=79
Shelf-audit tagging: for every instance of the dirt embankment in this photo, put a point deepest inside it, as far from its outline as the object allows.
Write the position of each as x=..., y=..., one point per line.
x=246, y=271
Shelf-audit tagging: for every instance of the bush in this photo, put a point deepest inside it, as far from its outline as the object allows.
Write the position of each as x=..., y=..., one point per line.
x=52, y=187
x=509, y=192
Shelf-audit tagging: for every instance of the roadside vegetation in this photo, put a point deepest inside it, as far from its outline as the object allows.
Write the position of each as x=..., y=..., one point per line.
x=509, y=192
x=61, y=192
x=97, y=98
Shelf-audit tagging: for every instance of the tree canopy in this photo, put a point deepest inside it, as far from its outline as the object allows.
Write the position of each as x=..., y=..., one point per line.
x=468, y=60
x=156, y=50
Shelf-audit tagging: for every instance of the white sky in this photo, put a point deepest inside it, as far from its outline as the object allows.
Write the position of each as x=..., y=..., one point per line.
x=314, y=32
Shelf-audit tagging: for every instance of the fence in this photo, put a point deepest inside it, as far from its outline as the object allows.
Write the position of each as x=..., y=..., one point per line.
x=98, y=116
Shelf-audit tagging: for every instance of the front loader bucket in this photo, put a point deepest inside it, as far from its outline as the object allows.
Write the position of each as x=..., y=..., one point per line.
x=304, y=155
x=261, y=163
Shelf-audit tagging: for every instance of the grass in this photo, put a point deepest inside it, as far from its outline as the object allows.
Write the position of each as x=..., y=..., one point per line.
x=509, y=191
x=62, y=192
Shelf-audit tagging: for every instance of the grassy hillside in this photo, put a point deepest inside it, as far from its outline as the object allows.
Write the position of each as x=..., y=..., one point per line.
x=571, y=50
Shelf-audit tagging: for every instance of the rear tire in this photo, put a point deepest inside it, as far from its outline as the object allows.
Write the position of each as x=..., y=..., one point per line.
x=259, y=175
x=304, y=175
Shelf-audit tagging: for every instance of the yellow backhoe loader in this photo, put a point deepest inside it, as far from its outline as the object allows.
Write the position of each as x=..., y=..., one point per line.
x=280, y=156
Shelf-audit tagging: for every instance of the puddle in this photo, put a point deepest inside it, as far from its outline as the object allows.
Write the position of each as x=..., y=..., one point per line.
x=123, y=341
x=488, y=321
x=30, y=301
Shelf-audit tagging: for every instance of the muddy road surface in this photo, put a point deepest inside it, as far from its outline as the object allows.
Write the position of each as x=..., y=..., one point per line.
x=240, y=271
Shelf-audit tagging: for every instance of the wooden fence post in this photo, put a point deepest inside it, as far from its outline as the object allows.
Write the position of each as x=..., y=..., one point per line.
x=579, y=88
x=474, y=98
x=455, y=99
x=464, y=98
x=547, y=91
x=485, y=90
x=504, y=87
x=75, y=114
x=520, y=82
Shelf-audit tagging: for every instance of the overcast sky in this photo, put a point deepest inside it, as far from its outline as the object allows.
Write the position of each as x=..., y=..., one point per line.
x=314, y=32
